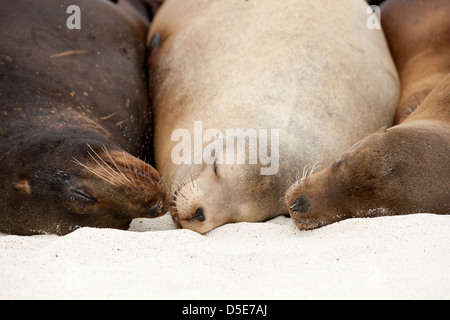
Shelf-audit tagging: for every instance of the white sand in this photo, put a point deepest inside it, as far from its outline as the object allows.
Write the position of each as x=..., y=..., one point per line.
x=404, y=257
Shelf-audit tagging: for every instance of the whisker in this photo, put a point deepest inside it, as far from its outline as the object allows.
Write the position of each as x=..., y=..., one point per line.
x=305, y=172
x=147, y=170
x=160, y=182
x=111, y=172
x=192, y=179
x=314, y=168
x=115, y=165
x=103, y=177
x=128, y=165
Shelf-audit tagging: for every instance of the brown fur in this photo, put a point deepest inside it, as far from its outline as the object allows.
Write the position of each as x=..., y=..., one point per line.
x=74, y=117
x=418, y=33
x=401, y=170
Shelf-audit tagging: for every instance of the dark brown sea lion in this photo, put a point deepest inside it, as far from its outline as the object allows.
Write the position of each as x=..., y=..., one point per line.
x=418, y=33
x=74, y=117
x=402, y=170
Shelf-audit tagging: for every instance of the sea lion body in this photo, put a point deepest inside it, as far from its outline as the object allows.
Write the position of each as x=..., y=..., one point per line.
x=418, y=34
x=71, y=102
x=304, y=80
x=402, y=170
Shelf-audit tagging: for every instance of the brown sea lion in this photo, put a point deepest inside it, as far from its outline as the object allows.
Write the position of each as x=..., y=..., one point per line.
x=418, y=34
x=248, y=93
x=402, y=170
x=74, y=117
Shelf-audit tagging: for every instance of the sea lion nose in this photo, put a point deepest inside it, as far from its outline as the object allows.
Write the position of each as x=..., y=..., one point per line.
x=155, y=211
x=301, y=205
x=198, y=216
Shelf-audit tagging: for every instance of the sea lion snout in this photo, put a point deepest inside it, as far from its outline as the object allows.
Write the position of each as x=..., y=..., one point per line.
x=70, y=148
x=308, y=201
x=153, y=211
x=301, y=205
x=229, y=115
x=198, y=216
x=157, y=210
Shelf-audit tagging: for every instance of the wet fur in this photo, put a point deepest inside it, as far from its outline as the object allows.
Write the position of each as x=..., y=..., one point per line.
x=73, y=103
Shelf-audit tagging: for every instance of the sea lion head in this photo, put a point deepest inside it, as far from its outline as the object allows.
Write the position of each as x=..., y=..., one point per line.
x=217, y=192
x=394, y=171
x=59, y=185
x=117, y=180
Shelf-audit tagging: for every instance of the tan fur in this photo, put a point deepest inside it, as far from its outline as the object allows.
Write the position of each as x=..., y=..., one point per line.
x=402, y=170
x=418, y=33
x=311, y=69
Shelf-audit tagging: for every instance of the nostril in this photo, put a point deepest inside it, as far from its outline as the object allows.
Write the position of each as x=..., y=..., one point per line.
x=157, y=210
x=153, y=212
x=301, y=205
x=198, y=216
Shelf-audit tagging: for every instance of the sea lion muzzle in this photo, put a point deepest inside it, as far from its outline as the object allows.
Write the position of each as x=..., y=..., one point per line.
x=301, y=205
x=157, y=210
x=198, y=216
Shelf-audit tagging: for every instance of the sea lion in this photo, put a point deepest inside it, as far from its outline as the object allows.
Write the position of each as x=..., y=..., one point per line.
x=418, y=34
x=401, y=170
x=288, y=83
x=74, y=117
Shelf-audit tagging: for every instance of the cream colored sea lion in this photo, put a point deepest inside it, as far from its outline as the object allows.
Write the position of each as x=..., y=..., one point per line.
x=247, y=93
x=418, y=34
x=402, y=170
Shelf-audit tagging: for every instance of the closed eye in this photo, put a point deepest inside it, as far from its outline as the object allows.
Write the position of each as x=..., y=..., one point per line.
x=336, y=164
x=215, y=167
x=83, y=196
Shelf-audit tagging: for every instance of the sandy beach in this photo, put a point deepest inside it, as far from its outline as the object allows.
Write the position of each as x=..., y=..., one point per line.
x=401, y=257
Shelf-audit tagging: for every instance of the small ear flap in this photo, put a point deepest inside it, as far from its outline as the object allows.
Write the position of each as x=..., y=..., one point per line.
x=23, y=186
x=382, y=129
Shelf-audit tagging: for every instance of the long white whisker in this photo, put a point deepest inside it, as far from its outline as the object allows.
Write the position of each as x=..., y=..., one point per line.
x=314, y=168
x=103, y=177
x=305, y=171
x=115, y=165
x=110, y=171
x=129, y=168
